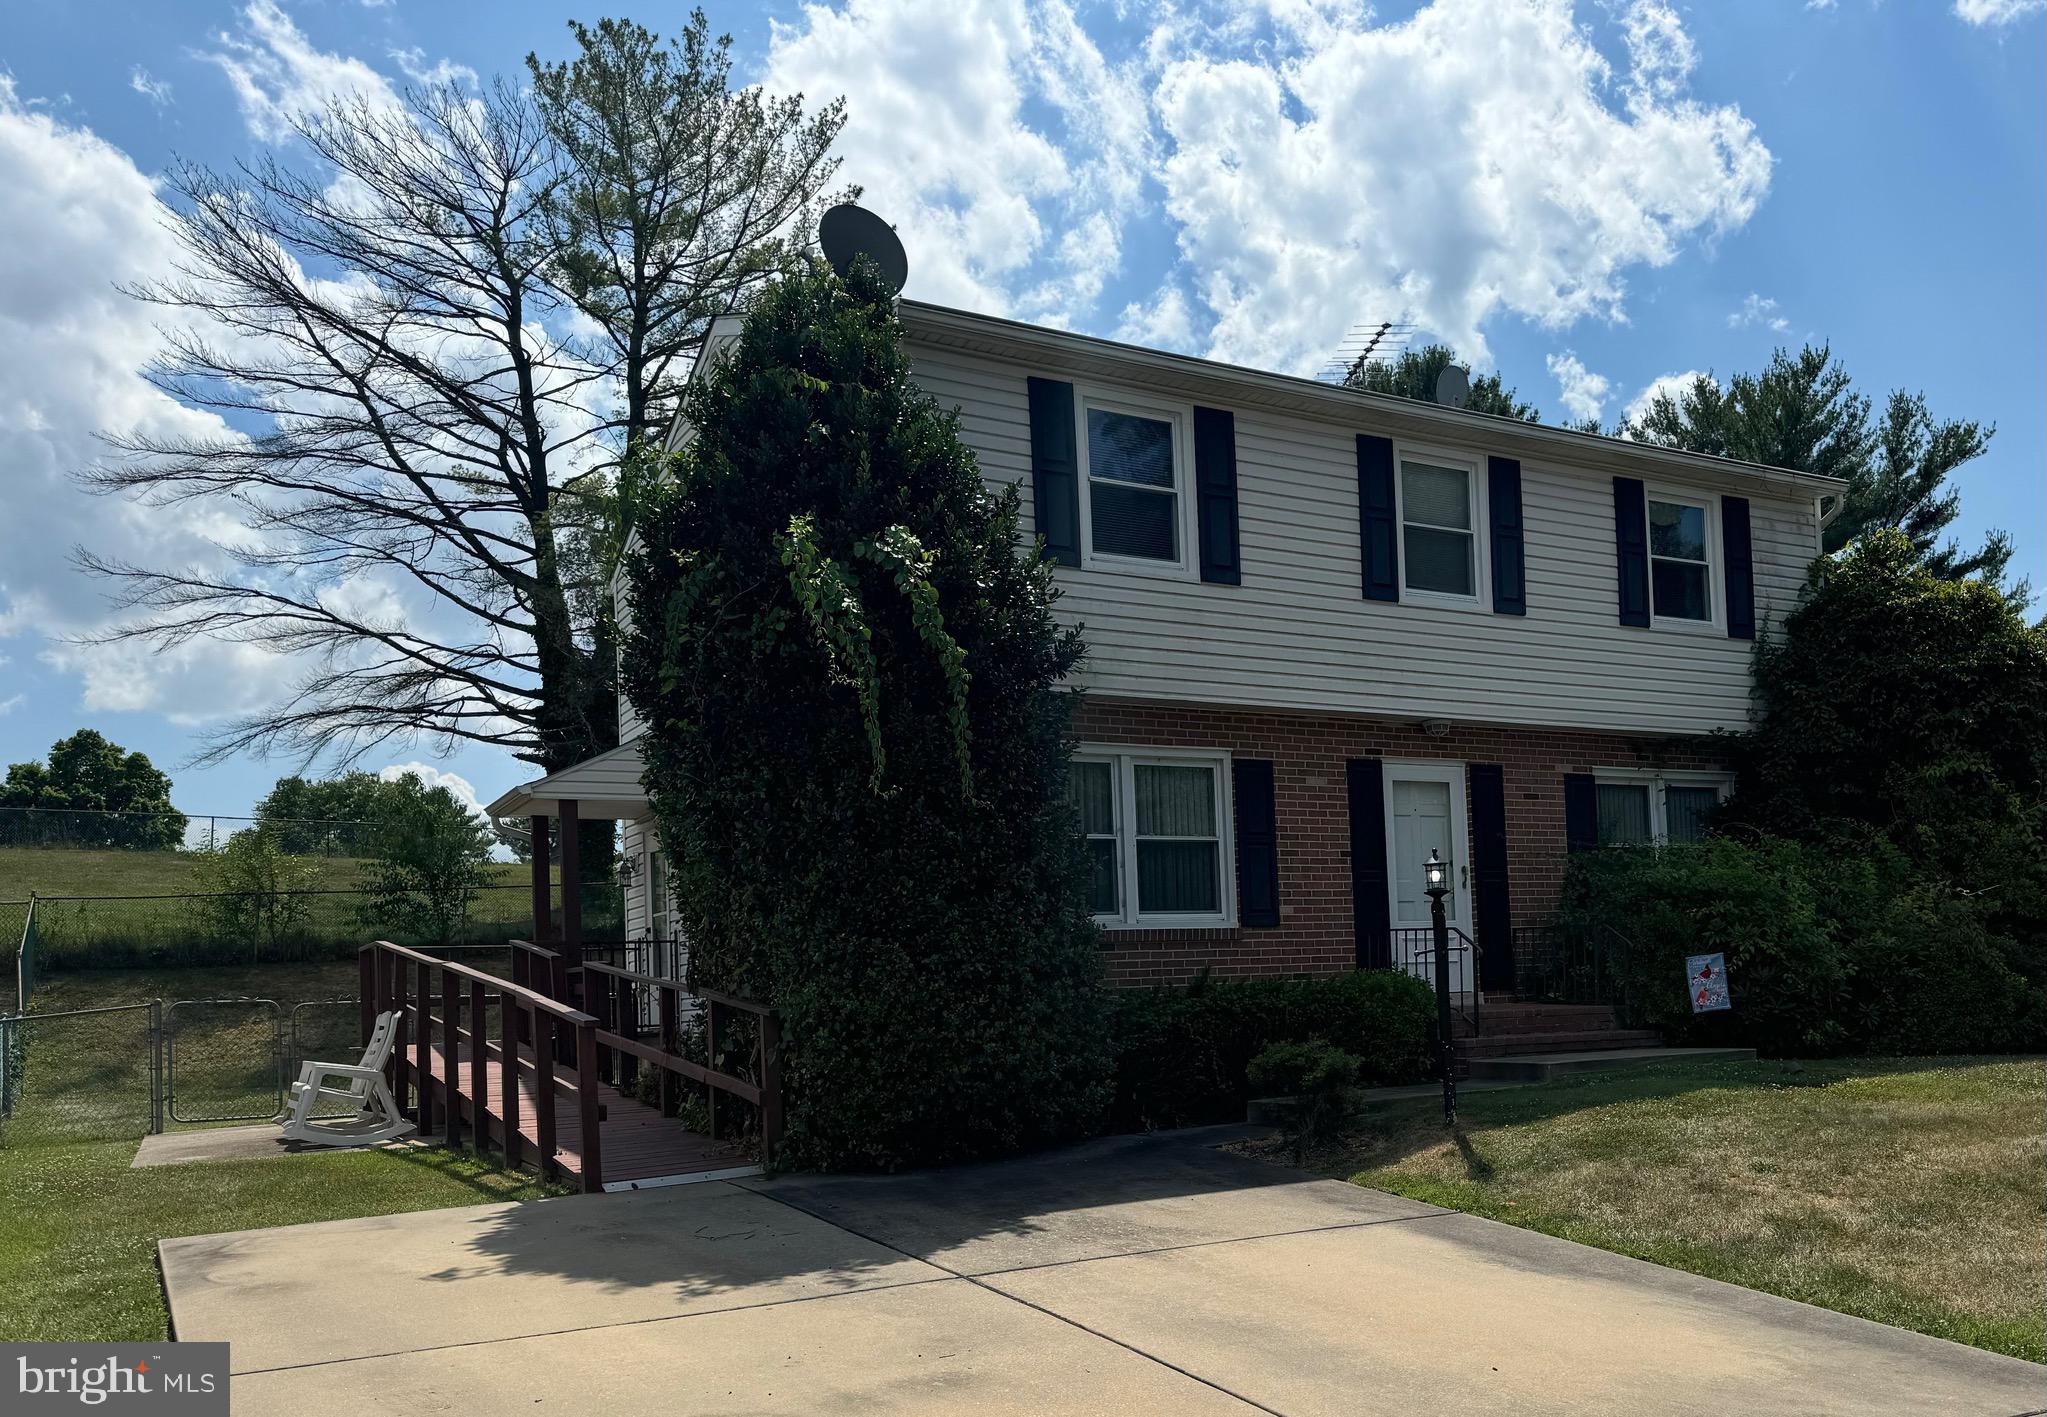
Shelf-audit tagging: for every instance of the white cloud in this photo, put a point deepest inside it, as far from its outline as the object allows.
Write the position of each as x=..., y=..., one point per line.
x=79, y=219
x=413, y=64
x=431, y=777
x=12, y=702
x=1757, y=310
x=278, y=75
x=1671, y=384
x=1460, y=165
x=1997, y=12
x=994, y=135
x=156, y=91
x=1583, y=392
x=1166, y=322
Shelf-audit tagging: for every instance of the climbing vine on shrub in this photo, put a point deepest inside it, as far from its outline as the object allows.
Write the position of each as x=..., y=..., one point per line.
x=846, y=656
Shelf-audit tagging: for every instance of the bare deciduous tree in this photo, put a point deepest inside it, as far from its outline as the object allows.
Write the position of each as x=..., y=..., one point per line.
x=423, y=446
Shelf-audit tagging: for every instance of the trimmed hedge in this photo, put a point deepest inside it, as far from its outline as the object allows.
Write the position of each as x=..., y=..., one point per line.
x=1183, y=1054
x=1831, y=948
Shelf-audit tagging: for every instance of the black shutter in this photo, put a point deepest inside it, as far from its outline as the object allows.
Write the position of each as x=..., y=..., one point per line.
x=1055, y=469
x=1503, y=501
x=1491, y=905
x=1257, y=842
x=1370, y=910
x=1741, y=568
x=1215, y=491
x=1378, y=535
x=1581, y=812
x=1631, y=549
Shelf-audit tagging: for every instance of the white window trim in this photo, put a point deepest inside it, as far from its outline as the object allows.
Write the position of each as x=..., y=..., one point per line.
x=1481, y=597
x=1709, y=502
x=1181, y=417
x=1124, y=759
x=1657, y=782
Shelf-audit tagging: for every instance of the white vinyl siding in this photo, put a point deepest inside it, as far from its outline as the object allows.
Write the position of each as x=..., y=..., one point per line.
x=1297, y=634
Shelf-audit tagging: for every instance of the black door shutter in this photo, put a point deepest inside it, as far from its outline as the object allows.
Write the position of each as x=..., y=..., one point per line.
x=1491, y=906
x=1371, y=911
x=1631, y=549
x=1257, y=842
x=1581, y=812
x=1503, y=500
x=1741, y=568
x=1055, y=469
x=1378, y=535
x=1215, y=486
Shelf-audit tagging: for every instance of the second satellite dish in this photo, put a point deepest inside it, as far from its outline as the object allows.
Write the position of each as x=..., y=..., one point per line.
x=1453, y=386
x=847, y=232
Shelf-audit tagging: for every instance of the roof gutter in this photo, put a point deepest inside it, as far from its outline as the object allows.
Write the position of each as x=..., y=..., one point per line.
x=1228, y=383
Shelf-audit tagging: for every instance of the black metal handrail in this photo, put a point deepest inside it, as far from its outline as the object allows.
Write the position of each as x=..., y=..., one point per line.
x=1412, y=951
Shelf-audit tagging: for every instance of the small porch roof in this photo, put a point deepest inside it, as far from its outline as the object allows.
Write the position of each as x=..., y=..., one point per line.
x=604, y=787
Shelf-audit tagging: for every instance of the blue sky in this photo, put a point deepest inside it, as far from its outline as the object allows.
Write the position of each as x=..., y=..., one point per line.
x=1588, y=199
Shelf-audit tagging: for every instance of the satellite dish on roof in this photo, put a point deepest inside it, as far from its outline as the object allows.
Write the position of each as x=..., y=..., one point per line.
x=847, y=232
x=1453, y=386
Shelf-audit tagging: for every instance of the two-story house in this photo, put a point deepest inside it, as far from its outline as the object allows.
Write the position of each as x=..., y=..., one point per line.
x=1330, y=632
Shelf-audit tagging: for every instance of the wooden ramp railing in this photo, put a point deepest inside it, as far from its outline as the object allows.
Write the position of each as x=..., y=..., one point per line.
x=452, y=1075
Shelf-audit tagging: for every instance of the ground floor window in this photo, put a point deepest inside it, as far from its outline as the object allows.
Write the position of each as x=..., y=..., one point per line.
x=1648, y=809
x=1156, y=823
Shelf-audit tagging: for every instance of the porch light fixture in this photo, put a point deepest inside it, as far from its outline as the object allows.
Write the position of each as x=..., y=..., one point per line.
x=628, y=870
x=1436, y=875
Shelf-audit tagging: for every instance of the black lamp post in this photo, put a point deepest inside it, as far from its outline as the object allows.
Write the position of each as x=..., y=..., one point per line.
x=1436, y=881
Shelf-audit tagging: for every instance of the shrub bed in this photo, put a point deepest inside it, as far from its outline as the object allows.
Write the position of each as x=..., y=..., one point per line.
x=1832, y=947
x=1183, y=1054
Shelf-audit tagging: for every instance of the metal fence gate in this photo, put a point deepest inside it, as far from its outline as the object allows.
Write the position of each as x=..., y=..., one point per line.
x=224, y=1060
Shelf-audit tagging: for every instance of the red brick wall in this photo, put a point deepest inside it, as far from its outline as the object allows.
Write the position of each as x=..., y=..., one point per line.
x=1308, y=752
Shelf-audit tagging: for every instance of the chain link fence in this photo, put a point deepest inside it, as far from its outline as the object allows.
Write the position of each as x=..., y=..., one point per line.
x=81, y=1075
x=99, y=932
x=90, y=829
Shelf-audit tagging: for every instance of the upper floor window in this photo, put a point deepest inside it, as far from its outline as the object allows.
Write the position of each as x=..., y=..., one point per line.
x=1135, y=485
x=1156, y=824
x=1680, y=559
x=1439, y=514
x=1651, y=810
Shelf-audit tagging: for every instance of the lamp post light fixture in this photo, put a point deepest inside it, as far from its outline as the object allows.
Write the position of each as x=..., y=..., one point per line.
x=1436, y=881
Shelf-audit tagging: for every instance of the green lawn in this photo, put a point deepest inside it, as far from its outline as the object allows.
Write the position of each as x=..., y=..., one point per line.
x=78, y=871
x=1904, y=1190
x=78, y=1249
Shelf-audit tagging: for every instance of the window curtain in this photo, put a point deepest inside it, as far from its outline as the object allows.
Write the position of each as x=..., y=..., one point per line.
x=1690, y=810
x=1623, y=814
x=1175, y=876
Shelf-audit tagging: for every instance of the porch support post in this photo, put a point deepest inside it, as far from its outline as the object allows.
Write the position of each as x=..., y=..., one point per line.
x=543, y=903
x=572, y=883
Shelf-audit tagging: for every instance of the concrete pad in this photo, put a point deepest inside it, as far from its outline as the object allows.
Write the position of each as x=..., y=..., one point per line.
x=1118, y=1195
x=929, y=1349
x=1451, y=1313
x=395, y=1283
x=212, y=1144
x=1541, y=1067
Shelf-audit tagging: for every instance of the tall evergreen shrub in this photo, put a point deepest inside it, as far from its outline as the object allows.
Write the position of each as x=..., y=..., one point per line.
x=852, y=678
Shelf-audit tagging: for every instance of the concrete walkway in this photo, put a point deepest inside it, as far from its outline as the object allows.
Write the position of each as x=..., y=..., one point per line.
x=1131, y=1275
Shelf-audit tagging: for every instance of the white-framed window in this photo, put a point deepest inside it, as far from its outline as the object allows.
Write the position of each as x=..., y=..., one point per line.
x=660, y=916
x=1157, y=826
x=1137, y=504
x=1657, y=809
x=1441, y=502
x=1681, y=560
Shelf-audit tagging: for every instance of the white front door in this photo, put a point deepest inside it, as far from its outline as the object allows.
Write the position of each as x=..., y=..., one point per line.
x=1424, y=813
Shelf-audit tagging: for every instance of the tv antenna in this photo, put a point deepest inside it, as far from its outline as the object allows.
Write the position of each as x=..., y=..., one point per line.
x=1372, y=342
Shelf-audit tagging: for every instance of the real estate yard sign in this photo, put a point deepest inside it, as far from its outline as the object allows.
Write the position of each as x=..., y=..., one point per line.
x=1706, y=982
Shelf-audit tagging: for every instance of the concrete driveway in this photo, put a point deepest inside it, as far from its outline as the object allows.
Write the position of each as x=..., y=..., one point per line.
x=1130, y=1275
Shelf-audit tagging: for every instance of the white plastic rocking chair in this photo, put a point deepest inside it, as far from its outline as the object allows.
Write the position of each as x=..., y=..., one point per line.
x=377, y=1118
